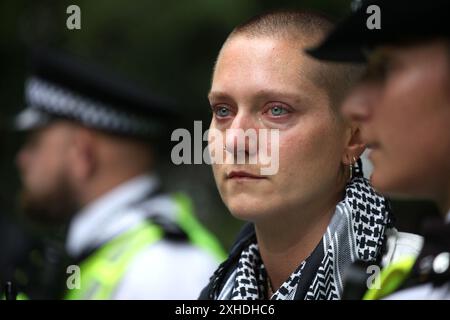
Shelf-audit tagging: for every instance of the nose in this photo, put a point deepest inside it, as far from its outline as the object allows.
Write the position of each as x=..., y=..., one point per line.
x=241, y=136
x=359, y=104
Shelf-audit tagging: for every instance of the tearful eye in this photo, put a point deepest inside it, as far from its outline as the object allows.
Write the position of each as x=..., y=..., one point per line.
x=222, y=112
x=277, y=111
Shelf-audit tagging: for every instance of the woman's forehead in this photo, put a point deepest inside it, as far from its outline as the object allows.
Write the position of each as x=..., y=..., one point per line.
x=265, y=66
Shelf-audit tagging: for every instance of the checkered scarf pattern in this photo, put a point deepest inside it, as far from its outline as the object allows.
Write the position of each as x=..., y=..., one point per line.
x=356, y=232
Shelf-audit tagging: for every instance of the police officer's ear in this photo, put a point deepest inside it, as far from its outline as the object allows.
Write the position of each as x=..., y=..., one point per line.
x=83, y=154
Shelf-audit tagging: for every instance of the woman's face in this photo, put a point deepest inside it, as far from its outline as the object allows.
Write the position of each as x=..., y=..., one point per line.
x=263, y=83
x=404, y=117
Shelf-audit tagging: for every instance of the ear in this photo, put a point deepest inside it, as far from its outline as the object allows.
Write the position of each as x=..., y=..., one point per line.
x=84, y=159
x=354, y=146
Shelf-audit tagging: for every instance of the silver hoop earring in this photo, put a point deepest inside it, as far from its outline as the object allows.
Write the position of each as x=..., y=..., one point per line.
x=350, y=167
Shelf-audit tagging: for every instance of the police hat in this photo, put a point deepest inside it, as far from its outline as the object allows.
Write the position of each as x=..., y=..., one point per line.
x=64, y=87
x=400, y=20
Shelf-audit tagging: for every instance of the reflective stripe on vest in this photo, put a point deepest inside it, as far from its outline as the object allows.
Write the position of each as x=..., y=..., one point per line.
x=196, y=233
x=102, y=271
x=391, y=278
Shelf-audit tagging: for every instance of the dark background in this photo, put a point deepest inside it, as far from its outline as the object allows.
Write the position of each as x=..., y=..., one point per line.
x=167, y=46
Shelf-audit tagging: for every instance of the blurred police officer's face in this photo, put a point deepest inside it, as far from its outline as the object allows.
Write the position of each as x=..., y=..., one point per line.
x=404, y=112
x=261, y=83
x=44, y=164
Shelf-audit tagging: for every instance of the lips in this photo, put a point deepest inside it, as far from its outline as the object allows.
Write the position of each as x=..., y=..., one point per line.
x=243, y=175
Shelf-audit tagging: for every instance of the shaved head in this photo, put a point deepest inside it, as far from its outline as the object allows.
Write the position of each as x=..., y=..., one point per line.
x=304, y=29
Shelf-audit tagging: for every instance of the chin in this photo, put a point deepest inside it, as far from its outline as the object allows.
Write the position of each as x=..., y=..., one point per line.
x=389, y=185
x=381, y=183
x=248, y=209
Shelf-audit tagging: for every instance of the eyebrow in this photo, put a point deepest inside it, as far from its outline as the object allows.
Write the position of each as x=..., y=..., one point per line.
x=268, y=94
x=218, y=95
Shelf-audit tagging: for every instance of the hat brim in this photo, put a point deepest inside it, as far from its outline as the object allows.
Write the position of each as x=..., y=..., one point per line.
x=345, y=43
x=31, y=119
x=354, y=37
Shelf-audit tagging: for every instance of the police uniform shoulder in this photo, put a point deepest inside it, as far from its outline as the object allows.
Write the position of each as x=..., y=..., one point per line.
x=433, y=263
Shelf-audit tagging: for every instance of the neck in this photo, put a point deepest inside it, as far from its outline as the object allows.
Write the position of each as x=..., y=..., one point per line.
x=104, y=184
x=285, y=242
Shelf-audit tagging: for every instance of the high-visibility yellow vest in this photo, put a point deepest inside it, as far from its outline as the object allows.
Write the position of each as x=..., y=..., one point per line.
x=391, y=278
x=20, y=296
x=102, y=271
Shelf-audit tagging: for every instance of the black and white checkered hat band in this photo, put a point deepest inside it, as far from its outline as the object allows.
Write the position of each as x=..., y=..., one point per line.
x=61, y=102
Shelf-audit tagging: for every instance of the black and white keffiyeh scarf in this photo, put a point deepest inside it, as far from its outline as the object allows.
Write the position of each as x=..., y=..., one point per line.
x=356, y=232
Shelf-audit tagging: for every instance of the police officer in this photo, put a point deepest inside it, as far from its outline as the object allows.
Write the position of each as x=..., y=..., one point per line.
x=403, y=107
x=88, y=161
